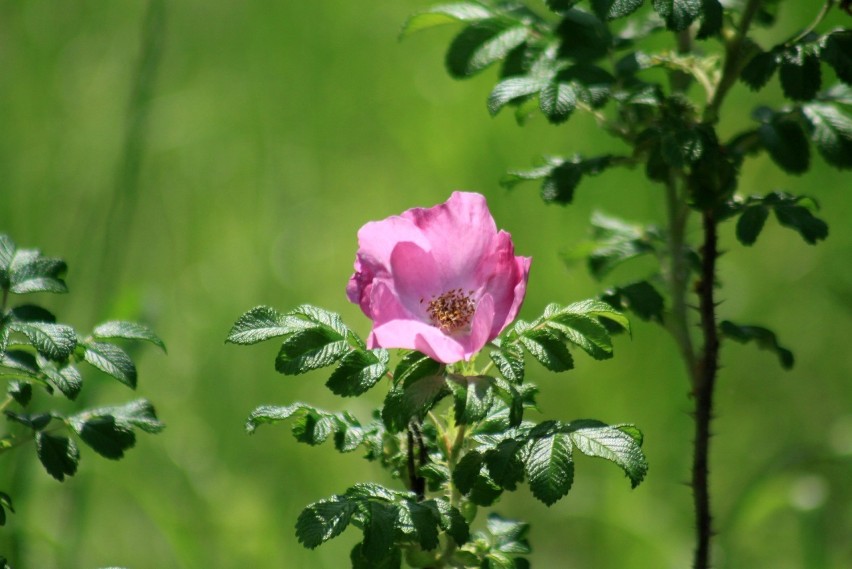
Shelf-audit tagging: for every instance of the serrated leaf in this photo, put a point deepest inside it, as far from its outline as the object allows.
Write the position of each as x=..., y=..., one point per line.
x=420, y=521
x=473, y=397
x=35, y=421
x=712, y=19
x=548, y=350
x=584, y=38
x=270, y=414
x=498, y=560
x=763, y=337
x=404, y=402
x=597, y=309
x=557, y=101
x=445, y=14
x=105, y=435
x=313, y=427
x=66, y=379
x=379, y=529
x=139, y=414
x=612, y=9
x=559, y=185
x=511, y=89
x=58, y=455
x=262, y=323
x=759, y=70
x=616, y=241
x=509, y=536
x=786, y=143
x=467, y=471
x=32, y=313
x=790, y=213
x=21, y=392
x=310, y=349
x=597, y=439
x=678, y=14
x=550, y=467
x=30, y=272
x=359, y=561
x=831, y=132
x=800, y=74
x=358, y=371
x=111, y=360
x=413, y=366
x=591, y=83
x=838, y=54
x=510, y=361
x=20, y=364
x=349, y=435
x=481, y=44
x=53, y=341
x=450, y=520
x=750, y=224
x=323, y=520
x=128, y=331
x=640, y=297
x=505, y=464
x=7, y=253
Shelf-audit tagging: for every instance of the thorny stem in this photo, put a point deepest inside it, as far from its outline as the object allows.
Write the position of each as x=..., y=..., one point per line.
x=704, y=383
x=416, y=483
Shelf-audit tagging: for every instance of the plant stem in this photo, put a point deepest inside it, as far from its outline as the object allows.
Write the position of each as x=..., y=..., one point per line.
x=733, y=62
x=705, y=380
x=678, y=324
x=826, y=8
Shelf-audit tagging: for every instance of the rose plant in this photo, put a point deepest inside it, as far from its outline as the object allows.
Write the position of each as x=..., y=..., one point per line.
x=441, y=285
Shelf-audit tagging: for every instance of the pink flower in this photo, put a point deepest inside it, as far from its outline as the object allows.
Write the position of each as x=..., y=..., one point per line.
x=440, y=280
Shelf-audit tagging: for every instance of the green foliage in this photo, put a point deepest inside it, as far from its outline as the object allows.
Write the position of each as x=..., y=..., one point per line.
x=39, y=355
x=791, y=211
x=763, y=337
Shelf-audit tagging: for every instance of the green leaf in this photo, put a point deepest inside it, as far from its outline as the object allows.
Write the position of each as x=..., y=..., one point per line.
x=58, y=455
x=550, y=467
x=21, y=392
x=786, y=143
x=597, y=309
x=759, y=70
x=597, y=439
x=510, y=361
x=445, y=14
x=32, y=313
x=612, y=9
x=512, y=89
x=36, y=421
x=560, y=177
x=5, y=504
x=498, y=560
x=467, y=471
x=580, y=329
x=111, y=360
x=584, y=38
x=481, y=44
x=678, y=14
x=557, y=101
x=505, y=464
x=712, y=19
x=560, y=5
x=269, y=414
x=261, y=323
x=310, y=349
x=800, y=73
x=404, y=402
x=763, y=337
x=838, y=54
x=473, y=397
x=359, y=561
x=379, y=529
x=53, y=341
x=7, y=253
x=831, y=132
x=591, y=83
x=751, y=223
x=66, y=379
x=640, y=297
x=419, y=521
x=509, y=536
x=128, y=331
x=790, y=213
x=323, y=520
x=20, y=363
x=138, y=414
x=450, y=520
x=30, y=272
x=616, y=241
x=104, y=435
x=313, y=427
x=547, y=349
x=358, y=371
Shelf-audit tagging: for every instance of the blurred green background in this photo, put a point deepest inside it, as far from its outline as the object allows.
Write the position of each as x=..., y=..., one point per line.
x=191, y=160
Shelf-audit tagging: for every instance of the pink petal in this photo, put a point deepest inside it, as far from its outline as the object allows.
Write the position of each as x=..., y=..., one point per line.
x=413, y=334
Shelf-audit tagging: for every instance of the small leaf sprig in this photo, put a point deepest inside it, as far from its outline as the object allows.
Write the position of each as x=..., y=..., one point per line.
x=452, y=425
x=39, y=355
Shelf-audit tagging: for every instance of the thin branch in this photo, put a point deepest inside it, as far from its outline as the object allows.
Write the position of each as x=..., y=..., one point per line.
x=826, y=8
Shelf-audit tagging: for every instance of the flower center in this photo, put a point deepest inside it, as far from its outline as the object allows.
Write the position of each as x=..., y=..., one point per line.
x=452, y=311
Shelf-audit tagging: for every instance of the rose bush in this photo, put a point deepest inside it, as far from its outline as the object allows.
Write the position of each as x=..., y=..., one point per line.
x=440, y=280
